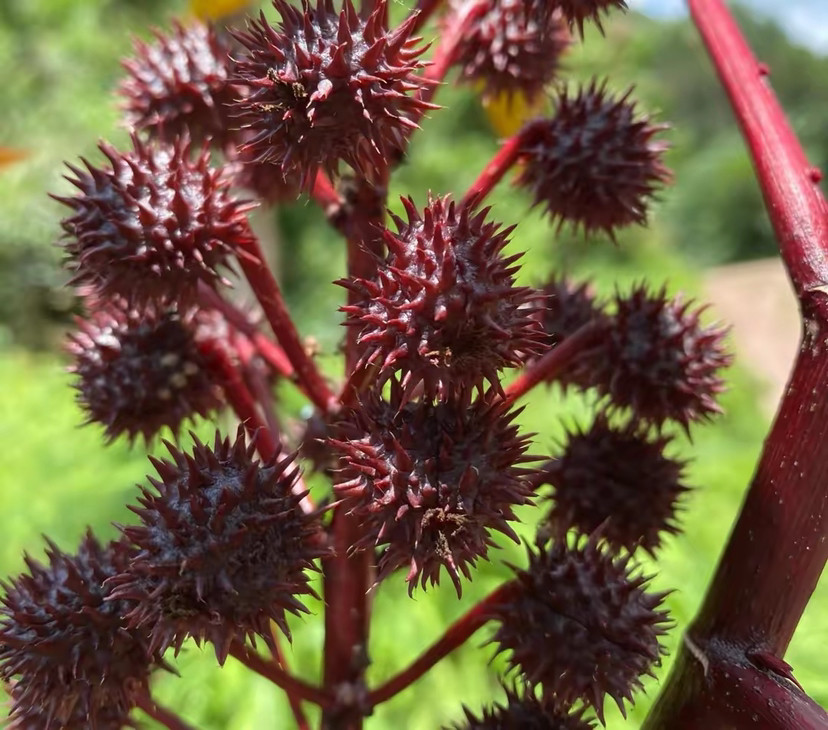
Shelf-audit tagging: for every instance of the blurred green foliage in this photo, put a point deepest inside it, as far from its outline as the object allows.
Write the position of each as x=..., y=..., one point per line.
x=57, y=477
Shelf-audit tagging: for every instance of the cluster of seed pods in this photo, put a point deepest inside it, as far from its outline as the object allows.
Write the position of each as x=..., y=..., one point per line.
x=420, y=437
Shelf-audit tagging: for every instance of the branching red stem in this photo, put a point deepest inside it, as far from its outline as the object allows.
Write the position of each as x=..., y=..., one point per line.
x=293, y=686
x=257, y=381
x=240, y=400
x=269, y=294
x=494, y=171
x=269, y=350
x=796, y=206
x=503, y=160
x=454, y=636
x=553, y=362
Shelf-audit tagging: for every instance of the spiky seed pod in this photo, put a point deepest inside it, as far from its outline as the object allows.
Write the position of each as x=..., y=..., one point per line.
x=443, y=307
x=152, y=225
x=580, y=625
x=430, y=481
x=524, y=712
x=222, y=549
x=578, y=11
x=64, y=645
x=514, y=46
x=656, y=358
x=138, y=372
x=179, y=84
x=570, y=305
x=329, y=87
x=618, y=480
x=595, y=162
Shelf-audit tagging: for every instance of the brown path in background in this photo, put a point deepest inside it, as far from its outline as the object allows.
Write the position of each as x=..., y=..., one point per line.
x=757, y=300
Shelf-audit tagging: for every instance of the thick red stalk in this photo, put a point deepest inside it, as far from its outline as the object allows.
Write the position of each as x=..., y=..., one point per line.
x=730, y=673
x=161, y=715
x=454, y=637
x=295, y=688
x=347, y=580
x=269, y=295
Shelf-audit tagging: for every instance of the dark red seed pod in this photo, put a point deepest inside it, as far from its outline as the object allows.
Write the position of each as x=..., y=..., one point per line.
x=64, y=646
x=522, y=711
x=580, y=625
x=38, y=718
x=179, y=84
x=656, y=358
x=514, y=46
x=222, y=550
x=153, y=225
x=618, y=480
x=443, y=307
x=595, y=163
x=328, y=87
x=578, y=11
x=139, y=372
x=430, y=481
x=569, y=307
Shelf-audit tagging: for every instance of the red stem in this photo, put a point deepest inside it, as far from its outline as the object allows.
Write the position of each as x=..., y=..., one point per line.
x=503, y=160
x=293, y=686
x=160, y=714
x=795, y=204
x=293, y=700
x=454, y=636
x=267, y=291
x=425, y=9
x=553, y=362
x=325, y=194
x=347, y=580
x=273, y=355
x=240, y=399
x=257, y=382
x=778, y=549
x=269, y=350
